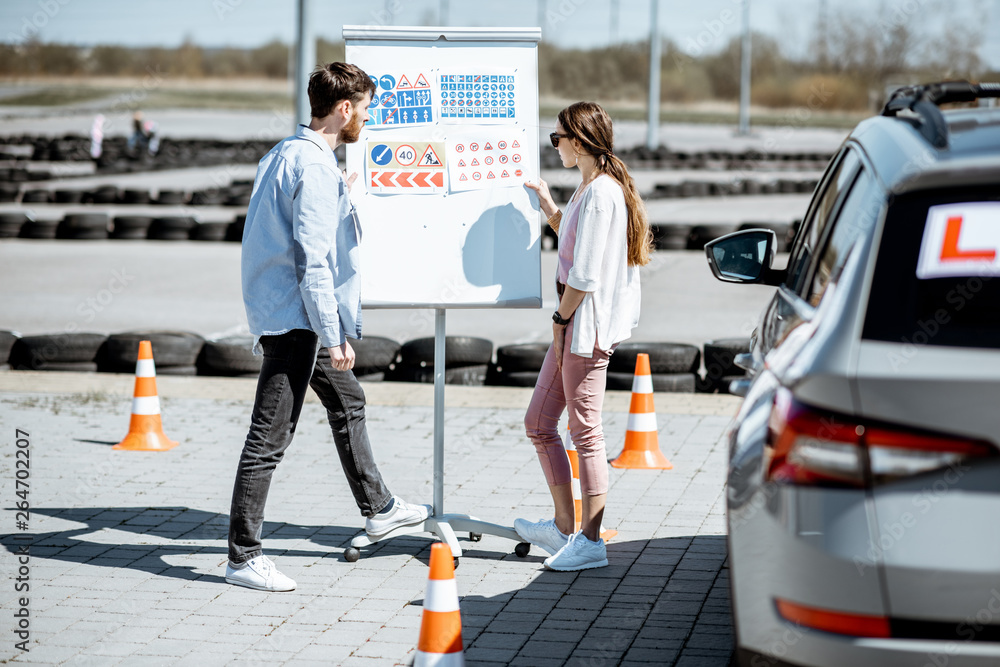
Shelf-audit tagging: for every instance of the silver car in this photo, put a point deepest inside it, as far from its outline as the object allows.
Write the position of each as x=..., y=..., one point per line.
x=864, y=474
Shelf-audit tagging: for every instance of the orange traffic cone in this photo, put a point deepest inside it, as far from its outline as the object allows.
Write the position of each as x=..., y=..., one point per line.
x=440, y=643
x=574, y=464
x=642, y=445
x=145, y=430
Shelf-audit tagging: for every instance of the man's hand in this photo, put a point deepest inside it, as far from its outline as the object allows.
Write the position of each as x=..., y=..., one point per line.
x=350, y=180
x=342, y=357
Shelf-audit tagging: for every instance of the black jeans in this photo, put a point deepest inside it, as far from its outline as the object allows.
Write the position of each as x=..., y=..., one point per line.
x=290, y=364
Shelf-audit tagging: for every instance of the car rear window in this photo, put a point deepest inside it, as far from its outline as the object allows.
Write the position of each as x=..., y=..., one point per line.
x=937, y=277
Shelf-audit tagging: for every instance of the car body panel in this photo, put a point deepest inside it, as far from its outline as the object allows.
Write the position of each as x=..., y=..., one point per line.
x=940, y=555
x=920, y=551
x=928, y=387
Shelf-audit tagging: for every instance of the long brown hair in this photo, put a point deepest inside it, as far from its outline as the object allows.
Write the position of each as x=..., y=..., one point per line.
x=591, y=125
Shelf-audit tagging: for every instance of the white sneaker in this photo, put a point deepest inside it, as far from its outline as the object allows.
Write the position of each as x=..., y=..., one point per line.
x=579, y=554
x=259, y=573
x=401, y=514
x=541, y=533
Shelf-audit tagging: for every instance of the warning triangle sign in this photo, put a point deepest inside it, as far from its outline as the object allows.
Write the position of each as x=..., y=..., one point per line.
x=429, y=158
x=421, y=82
x=504, y=174
x=461, y=163
x=488, y=146
x=490, y=175
x=515, y=144
x=475, y=162
x=463, y=177
x=404, y=84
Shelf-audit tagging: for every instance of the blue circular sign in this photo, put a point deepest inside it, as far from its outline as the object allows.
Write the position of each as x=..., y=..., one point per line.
x=381, y=155
x=387, y=81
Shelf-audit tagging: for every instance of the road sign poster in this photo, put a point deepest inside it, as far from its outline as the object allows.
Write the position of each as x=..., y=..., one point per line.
x=401, y=98
x=481, y=95
x=405, y=167
x=488, y=158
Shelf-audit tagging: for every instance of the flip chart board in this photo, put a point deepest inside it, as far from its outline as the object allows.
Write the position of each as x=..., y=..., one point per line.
x=452, y=135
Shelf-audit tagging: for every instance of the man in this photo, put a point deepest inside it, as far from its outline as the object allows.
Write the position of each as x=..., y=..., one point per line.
x=301, y=288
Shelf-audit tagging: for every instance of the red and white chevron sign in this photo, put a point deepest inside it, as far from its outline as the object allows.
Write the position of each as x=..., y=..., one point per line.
x=427, y=181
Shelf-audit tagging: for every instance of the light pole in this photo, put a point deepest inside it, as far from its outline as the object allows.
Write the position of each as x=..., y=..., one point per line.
x=653, y=117
x=304, y=62
x=613, y=23
x=745, y=60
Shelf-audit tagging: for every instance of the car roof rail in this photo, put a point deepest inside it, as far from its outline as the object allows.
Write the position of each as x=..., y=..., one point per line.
x=919, y=105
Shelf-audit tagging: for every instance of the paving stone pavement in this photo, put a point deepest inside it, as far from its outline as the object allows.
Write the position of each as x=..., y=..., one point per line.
x=127, y=549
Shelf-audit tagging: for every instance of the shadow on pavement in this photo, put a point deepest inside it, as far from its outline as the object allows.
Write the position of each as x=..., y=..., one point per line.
x=659, y=602
x=663, y=601
x=78, y=545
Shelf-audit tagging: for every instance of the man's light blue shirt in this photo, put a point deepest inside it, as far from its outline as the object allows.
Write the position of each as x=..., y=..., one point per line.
x=300, y=245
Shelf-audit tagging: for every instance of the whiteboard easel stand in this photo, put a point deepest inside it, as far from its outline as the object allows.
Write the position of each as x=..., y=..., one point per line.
x=427, y=49
x=441, y=524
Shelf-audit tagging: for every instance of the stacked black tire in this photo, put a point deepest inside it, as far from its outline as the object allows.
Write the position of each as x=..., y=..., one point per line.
x=7, y=340
x=720, y=365
x=517, y=365
x=57, y=352
x=673, y=365
x=174, y=352
x=467, y=361
x=231, y=356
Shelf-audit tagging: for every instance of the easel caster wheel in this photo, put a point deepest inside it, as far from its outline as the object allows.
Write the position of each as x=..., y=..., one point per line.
x=351, y=554
x=455, y=562
x=522, y=549
x=475, y=537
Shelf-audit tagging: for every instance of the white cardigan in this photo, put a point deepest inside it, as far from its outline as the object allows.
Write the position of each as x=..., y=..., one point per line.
x=610, y=310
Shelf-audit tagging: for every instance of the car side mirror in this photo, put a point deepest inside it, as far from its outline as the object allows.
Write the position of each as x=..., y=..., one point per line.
x=744, y=257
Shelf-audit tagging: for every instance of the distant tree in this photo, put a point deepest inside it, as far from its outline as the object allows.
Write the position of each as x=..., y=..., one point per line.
x=227, y=62
x=328, y=52
x=187, y=60
x=112, y=60
x=51, y=58
x=723, y=68
x=270, y=60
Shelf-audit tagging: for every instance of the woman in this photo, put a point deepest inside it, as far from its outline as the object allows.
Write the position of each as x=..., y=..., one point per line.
x=603, y=241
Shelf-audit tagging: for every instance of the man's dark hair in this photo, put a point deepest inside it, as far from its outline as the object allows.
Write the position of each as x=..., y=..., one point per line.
x=334, y=82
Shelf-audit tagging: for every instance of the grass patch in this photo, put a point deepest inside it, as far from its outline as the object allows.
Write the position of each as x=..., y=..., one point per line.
x=776, y=117
x=57, y=96
x=159, y=98
x=216, y=99
x=267, y=100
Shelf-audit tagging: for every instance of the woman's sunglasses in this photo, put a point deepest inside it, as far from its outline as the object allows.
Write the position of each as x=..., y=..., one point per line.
x=555, y=137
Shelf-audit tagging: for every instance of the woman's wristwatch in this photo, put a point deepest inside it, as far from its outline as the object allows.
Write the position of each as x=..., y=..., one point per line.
x=559, y=319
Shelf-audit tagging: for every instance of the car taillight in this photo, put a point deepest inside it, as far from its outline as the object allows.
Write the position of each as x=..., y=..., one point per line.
x=837, y=622
x=813, y=447
x=898, y=453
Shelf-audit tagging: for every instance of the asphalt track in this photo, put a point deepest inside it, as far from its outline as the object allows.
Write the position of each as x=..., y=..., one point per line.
x=111, y=286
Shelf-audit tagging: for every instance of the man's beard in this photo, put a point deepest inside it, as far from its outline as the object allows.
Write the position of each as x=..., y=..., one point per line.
x=352, y=131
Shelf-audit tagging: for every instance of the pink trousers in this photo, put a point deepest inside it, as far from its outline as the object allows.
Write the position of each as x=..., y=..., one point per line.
x=580, y=389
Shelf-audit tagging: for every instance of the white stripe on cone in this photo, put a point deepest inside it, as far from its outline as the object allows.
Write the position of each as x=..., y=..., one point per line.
x=146, y=405
x=439, y=659
x=642, y=384
x=145, y=368
x=642, y=422
x=442, y=595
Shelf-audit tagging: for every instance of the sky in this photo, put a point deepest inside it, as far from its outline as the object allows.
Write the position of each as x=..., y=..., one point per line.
x=568, y=23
